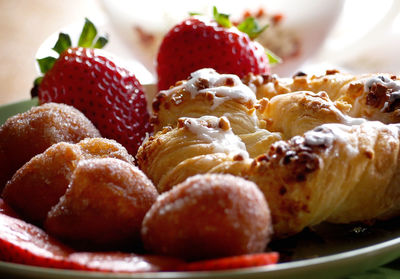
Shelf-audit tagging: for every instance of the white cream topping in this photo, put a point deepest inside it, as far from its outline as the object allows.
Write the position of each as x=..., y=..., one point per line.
x=207, y=129
x=217, y=86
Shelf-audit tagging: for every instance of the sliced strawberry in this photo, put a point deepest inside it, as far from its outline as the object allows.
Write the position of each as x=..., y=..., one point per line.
x=123, y=262
x=93, y=82
x=24, y=243
x=200, y=42
x=251, y=260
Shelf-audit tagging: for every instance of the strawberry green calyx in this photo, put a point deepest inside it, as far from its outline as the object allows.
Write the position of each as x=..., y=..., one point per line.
x=273, y=59
x=249, y=26
x=88, y=36
x=89, y=39
x=222, y=19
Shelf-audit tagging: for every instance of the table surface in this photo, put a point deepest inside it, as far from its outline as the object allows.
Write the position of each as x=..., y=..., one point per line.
x=24, y=24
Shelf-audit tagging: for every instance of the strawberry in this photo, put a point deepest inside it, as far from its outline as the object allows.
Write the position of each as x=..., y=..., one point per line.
x=24, y=243
x=90, y=80
x=122, y=262
x=200, y=42
x=242, y=261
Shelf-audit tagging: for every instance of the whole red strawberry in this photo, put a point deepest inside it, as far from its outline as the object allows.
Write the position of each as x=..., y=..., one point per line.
x=90, y=80
x=201, y=42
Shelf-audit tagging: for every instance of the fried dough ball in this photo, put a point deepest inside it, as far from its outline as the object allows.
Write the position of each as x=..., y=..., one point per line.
x=38, y=185
x=27, y=134
x=207, y=216
x=104, y=205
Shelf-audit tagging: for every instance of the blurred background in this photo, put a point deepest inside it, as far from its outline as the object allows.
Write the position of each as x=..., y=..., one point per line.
x=357, y=36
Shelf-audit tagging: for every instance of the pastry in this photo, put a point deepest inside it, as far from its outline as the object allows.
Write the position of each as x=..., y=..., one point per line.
x=328, y=166
x=30, y=133
x=208, y=216
x=38, y=185
x=103, y=207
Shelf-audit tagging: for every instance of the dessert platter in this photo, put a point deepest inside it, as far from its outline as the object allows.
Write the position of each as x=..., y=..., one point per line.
x=220, y=169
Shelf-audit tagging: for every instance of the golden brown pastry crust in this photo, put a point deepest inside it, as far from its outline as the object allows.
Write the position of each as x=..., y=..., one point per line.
x=371, y=96
x=343, y=171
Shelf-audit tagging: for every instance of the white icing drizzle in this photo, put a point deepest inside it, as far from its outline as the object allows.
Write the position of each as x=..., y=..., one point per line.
x=326, y=134
x=344, y=119
x=217, y=86
x=394, y=85
x=223, y=140
x=318, y=137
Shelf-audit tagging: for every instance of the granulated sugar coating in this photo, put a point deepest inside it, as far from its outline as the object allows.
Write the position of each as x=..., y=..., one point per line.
x=208, y=216
x=104, y=205
x=38, y=185
x=30, y=133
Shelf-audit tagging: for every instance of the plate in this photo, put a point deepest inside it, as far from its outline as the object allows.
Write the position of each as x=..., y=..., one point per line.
x=325, y=251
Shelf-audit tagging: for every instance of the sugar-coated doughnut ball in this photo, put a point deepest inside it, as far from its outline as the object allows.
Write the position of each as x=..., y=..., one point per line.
x=38, y=185
x=27, y=134
x=104, y=205
x=208, y=216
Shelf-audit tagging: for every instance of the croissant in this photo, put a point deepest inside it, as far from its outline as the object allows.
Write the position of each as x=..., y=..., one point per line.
x=372, y=96
x=312, y=161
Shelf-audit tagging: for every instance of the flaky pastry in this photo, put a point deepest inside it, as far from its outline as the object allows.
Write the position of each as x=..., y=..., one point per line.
x=316, y=163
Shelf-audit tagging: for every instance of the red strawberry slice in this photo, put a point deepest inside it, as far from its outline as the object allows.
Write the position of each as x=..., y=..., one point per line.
x=90, y=80
x=24, y=243
x=200, y=42
x=242, y=261
x=123, y=262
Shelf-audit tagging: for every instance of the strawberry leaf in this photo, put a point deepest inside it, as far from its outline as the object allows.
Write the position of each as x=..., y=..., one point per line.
x=63, y=43
x=45, y=64
x=221, y=19
x=250, y=27
x=38, y=80
x=194, y=14
x=101, y=42
x=272, y=57
x=89, y=33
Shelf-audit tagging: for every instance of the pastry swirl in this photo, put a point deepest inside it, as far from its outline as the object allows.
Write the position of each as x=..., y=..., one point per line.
x=316, y=163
